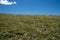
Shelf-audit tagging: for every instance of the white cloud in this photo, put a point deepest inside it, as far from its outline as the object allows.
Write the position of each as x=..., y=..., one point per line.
x=6, y=2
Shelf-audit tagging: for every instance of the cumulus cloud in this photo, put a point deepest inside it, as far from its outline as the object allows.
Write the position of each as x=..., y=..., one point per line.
x=6, y=2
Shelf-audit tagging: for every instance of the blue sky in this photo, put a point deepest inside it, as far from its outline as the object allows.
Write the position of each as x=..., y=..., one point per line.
x=32, y=7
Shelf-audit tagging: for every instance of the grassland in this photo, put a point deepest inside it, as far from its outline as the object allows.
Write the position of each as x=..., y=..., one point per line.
x=29, y=27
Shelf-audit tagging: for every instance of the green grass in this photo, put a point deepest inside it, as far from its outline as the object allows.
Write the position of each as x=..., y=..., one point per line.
x=29, y=27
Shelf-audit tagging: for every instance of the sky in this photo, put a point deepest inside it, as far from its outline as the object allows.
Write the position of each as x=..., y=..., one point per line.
x=30, y=6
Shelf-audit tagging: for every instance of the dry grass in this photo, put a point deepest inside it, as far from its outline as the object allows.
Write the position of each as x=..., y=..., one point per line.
x=29, y=27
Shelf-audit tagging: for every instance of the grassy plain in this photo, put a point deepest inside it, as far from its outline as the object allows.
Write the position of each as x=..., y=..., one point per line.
x=29, y=27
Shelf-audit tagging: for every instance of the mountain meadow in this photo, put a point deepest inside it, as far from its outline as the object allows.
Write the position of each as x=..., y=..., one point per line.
x=29, y=27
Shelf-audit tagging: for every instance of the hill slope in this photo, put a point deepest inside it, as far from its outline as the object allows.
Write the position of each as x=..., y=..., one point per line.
x=29, y=27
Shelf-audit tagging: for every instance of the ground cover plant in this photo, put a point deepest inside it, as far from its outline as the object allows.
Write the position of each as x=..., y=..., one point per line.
x=29, y=27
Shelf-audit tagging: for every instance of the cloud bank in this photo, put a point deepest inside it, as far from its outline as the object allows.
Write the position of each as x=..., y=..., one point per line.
x=6, y=2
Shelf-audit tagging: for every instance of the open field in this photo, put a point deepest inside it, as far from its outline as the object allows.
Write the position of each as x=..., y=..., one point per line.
x=29, y=27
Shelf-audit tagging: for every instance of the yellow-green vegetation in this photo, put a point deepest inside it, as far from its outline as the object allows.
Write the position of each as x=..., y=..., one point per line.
x=29, y=27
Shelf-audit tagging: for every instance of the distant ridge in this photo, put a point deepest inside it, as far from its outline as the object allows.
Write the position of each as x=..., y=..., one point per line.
x=28, y=14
